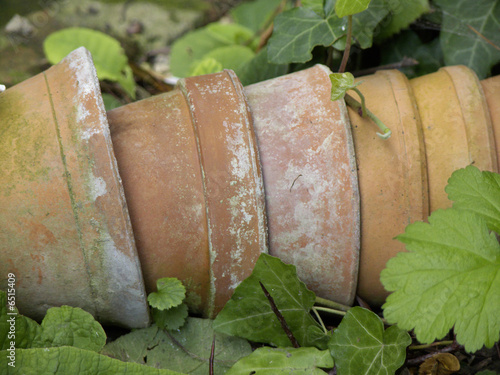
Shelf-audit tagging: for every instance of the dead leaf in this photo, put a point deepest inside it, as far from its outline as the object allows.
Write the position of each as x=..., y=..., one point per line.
x=440, y=364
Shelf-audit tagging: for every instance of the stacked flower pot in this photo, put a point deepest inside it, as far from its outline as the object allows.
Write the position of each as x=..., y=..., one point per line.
x=197, y=182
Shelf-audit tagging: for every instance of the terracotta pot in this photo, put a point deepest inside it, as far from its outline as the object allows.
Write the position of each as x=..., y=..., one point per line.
x=64, y=228
x=193, y=184
x=310, y=180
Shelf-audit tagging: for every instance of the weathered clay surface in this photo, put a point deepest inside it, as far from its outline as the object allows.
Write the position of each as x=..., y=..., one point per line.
x=64, y=229
x=310, y=180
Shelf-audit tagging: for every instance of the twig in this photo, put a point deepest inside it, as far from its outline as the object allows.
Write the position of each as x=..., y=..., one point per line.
x=280, y=317
x=212, y=356
x=347, y=49
x=293, y=183
x=405, y=62
x=417, y=360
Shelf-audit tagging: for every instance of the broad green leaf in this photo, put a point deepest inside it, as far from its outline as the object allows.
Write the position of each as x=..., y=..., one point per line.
x=170, y=319
x=349, y=7
x=297, y=31
x=468, y=31
x=477, y=192
x=315, y=5
x=366, y=23
x=207, y=65
x=110, y=102
x=402, y=13
x=15, y=327
x=254, y=14
x=248, y=313
x=360, y=346
x=71, y=326
x=341, y=82
x=170, y=293
x=450, y=276
x=231, y=57
x=193, y=46
x=69, y=360
x=270, y=361
x=109, y=58
x=186, y=350
x=408, y=44
x=259, y=69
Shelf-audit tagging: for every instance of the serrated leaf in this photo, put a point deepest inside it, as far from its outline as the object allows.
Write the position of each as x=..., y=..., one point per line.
x=450, y=276
x=109, y=58
x=170, y=293
x=69, y=360
x=478, y=192
x=349, y=7
x=207, y=65
x=360, y=346
x=186, y=350
x=270, y=361
x=173, y=318
x=259, y=69
x=196, y=44
x=469, y=29
x=248, y=313
x=71, y=326
x=341, y=82
x=402, y=13
x=254, y=14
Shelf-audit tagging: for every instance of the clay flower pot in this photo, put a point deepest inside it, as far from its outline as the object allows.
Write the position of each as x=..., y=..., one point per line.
x=64, y=228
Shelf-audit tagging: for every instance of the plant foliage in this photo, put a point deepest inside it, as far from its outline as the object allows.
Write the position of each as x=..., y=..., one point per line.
x=450, y=275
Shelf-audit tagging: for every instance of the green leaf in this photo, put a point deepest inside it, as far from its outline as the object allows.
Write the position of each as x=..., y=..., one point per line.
x=71, y=326
x=231, y=57
x=254, y=14
x=170, y=293
x=349, y=7
x=109, y=58
x=170, y=319
x=341, y=82
x=314, y=5
x=360, y=346
x=402, y=13
x=110, y=102
x=270, y=361
x=259, y=69
x=450, y=276
x=248, y=313
x=69, y=360
x=207, y=65
x=15, y=327
x=185, y=350
x=193, y=46
x=460, y=43
x=408, y=44
x=477, y=192
x=297, y=31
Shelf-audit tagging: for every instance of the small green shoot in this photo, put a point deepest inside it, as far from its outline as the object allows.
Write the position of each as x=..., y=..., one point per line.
x=168, y=309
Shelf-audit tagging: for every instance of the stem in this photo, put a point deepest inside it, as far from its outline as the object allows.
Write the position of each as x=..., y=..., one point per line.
x=331, y=304
x=427, y=346
x=331, y=311
x=319, y=319
x=353, y=103
x=362, y=97
x=343, y=64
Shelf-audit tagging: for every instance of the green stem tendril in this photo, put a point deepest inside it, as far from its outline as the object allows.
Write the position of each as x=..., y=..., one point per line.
x=319, y=319
x=331, y=304
x=353, y=103
x=331, y=311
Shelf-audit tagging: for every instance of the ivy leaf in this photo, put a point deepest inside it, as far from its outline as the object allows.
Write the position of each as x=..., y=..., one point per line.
x=70, y=360
x=170, y=293
x=255, y=14
x=248, y=313
x=270, y=361
x=71, y=326
x=468, y=31
x=341, y=82
x=360, y=346
x=109, y=58
x=450, y=276
x=349, y=7
x=173, y=318
x=477, y=192
x=402, y=13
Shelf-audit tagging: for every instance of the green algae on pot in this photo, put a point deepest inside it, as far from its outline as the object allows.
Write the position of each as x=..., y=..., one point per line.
x=64, y=228
x=193, y=184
